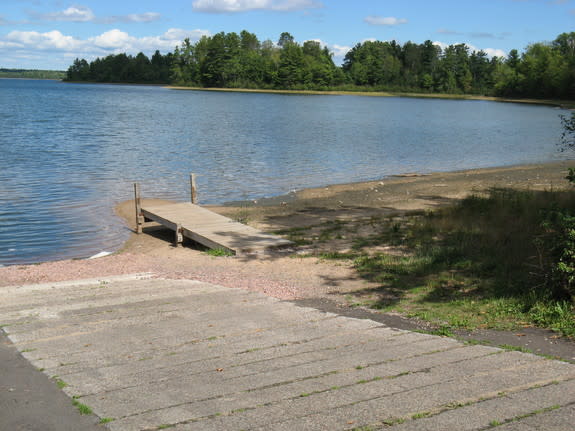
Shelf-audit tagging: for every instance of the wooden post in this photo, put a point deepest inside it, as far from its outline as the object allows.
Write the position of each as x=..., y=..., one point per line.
x=179, y=235
x=138, y=201
x=193, y=190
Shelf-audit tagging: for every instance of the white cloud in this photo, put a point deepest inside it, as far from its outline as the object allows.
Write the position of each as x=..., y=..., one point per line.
x=447, y=31
x=85, y=14
x=113, y=39
x=495, y=52
x=143, y=17
x=167, y=41
x=73, y=14
x=491, y=52
x=340, y=50
x=117, y=41
x=29, y=48
x=52, y=40
x=381, y=20
x=234, y=6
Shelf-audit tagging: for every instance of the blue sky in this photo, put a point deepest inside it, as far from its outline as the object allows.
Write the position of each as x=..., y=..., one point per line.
x=50, y=34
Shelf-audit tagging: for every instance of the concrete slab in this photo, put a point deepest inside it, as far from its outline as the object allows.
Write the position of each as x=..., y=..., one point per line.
x=153, y=353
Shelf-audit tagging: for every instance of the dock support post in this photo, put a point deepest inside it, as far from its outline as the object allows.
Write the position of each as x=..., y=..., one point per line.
x=193, y=189
x=179, y=235
x=138, y=201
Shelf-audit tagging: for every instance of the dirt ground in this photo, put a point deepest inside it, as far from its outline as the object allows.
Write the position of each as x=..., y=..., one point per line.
x=287, y=274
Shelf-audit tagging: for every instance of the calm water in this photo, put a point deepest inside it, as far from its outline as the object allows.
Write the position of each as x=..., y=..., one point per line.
x=70, y=152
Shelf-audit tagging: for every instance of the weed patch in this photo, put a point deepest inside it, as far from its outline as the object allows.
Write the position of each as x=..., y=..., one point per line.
x=106, y=420
x=82, y=408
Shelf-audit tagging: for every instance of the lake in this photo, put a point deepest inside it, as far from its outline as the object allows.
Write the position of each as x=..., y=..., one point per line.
x=70, y=152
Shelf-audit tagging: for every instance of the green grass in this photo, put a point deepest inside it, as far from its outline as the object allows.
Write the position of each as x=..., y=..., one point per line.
x=515, y=348
x=219, y=252
x=82, y=408
x=482, y=263
x=106, y=420
x=60, y=383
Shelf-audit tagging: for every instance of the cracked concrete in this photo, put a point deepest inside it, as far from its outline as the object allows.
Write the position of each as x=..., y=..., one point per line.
x=147, y=354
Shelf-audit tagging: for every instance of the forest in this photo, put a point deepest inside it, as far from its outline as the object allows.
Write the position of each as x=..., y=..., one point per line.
x=32, y=74
x=231, y=60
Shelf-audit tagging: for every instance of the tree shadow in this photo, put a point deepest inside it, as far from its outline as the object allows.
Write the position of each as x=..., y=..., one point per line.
x=491, y=247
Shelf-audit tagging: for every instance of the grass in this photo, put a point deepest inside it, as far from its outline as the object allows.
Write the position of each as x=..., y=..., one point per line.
x=106, y=420
x=514, y=348
x=495, y=423
x=482, y=263
x=242, y=215
x=218, y=252
x=60, y=383
x=82, y=408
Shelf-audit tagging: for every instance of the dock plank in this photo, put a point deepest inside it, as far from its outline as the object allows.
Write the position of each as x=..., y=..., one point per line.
x=210, y=229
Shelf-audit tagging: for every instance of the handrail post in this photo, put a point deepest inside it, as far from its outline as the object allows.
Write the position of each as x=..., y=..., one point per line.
x=179, y=235
x=138, y=202
x=193, y=189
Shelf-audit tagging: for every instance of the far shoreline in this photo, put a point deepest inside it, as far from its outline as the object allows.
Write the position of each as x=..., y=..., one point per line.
x=559, y=103
x=564, y=104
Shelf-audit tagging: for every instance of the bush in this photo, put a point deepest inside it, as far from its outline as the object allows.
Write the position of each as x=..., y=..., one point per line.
x=559, y=245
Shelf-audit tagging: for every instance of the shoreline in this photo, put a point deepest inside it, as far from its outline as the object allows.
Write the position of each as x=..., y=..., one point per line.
x=389, y=179
x=564, y=104
x=395, y=193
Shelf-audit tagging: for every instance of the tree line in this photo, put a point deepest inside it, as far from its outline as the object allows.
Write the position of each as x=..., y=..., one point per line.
x=231, y=60
x=123, y=68
x=32, y=74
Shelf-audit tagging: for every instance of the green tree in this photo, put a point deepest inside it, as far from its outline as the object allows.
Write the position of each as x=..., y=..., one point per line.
x=412, y=66
x=481, y=72
x=285, y=39
x=212, y=69
x=546, y=71
x=565, y=45
x=507, y=81
x=291, y=66
x=78, y=71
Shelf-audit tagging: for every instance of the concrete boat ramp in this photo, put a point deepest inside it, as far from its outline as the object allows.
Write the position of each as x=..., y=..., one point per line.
x=150, y=354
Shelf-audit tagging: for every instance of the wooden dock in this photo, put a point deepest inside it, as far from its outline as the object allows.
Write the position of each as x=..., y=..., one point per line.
x=203, y=226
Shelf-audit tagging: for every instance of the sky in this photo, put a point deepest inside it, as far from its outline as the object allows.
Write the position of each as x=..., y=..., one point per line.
x=50, y=34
